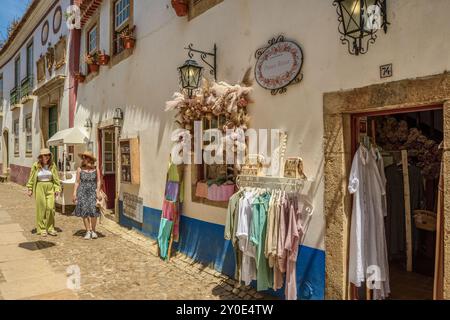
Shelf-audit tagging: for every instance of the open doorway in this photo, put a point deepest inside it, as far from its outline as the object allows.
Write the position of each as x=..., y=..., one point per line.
x=409, y=144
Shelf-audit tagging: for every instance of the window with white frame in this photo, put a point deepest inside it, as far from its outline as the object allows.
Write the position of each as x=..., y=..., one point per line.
x=121, y=13
x=109, y=152
x=92, y=39
x=16, y=137
x=29, y=135
x=122, y=16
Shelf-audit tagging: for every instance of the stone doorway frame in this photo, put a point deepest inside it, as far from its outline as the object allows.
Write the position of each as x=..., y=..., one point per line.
x=338, y=108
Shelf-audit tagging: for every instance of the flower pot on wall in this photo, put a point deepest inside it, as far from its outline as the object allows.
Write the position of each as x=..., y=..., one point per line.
x=181, y=7
x=80, y=77
x=93, y=67
x=128, y=42
x=103, y=59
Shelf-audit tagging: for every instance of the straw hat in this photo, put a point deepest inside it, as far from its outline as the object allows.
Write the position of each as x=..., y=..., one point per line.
x=88, y=155
x=44, y=152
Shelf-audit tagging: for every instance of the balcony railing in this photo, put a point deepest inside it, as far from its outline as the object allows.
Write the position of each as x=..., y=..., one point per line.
x=14, y=96
x=26, y=86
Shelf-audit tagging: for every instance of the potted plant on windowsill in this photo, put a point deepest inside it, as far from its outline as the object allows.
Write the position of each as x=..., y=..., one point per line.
x=80, y=77
x=103, y=58
x=92, y=61
x=181, y=7
x=128, y=38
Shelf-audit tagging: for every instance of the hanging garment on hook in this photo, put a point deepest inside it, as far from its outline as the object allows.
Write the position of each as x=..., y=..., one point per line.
x=248, y=268
x=367, y=233
x=230, y=231
x=258, y=231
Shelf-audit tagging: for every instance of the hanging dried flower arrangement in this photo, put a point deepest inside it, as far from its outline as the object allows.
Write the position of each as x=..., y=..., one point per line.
x=229, y=102
x=396, y=135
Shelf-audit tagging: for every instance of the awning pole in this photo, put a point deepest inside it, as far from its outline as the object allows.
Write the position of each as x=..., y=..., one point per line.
x=64, y=178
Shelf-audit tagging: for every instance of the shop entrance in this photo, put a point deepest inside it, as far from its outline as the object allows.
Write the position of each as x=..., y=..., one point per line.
x=5, y=146
x=107, y=162
x=410, y=145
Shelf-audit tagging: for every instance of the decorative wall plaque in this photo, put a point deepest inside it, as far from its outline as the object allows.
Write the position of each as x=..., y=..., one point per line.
x=279, y=65
x=40, y=66
x=44, y=33
x=133, y=207
x=50, y=59
x=60, y=53
x=57, y=19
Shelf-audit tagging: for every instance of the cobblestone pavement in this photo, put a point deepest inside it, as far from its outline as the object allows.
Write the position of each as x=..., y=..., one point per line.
x=121, y=264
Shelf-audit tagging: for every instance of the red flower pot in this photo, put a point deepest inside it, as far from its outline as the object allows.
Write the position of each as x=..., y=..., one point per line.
x=103, y=59
x=181, y=7
x=128, y=42
x=80, y=77
x=93, y=67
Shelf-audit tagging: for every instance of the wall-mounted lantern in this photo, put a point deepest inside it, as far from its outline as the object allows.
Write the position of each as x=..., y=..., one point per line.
x=190, y=76
x=88, y=123
x=191, y=71
x=359, y=20
x=118, y=117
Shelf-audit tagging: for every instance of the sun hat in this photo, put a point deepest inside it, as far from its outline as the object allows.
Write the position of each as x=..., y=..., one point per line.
x=88, y=155
x=44, y=152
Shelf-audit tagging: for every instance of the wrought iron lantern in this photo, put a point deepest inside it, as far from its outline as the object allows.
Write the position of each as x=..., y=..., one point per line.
x=88, y=123
x=359, y=22
x=118, y=116
x=190, y=75
x=191, y=71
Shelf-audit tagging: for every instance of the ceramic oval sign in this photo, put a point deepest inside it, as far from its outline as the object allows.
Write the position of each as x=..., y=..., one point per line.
x=279, y=64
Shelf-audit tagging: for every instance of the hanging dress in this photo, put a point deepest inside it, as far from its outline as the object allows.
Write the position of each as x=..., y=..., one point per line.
x=367, y=235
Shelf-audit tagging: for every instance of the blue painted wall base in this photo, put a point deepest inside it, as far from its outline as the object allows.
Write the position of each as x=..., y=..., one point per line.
x=204, y=242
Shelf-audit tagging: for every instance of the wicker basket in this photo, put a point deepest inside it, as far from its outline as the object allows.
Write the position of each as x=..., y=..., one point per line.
x=425, y=220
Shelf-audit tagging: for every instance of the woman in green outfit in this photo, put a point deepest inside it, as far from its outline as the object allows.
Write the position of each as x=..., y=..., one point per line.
x=44, y=184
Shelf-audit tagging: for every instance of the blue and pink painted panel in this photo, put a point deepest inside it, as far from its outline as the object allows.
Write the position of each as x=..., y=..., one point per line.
x=204, y=242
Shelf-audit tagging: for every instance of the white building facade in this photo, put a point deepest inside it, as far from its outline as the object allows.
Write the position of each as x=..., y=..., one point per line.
x=34, y=72
x=140, y=80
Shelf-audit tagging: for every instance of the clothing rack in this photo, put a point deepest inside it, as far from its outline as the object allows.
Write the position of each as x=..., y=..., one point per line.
x=267, y=182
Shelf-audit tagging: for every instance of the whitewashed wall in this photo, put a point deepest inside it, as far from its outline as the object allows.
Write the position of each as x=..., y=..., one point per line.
x=32, y=32
x=416, y=43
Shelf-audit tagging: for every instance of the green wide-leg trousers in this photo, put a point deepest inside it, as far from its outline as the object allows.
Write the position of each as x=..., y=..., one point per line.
x=45, y=207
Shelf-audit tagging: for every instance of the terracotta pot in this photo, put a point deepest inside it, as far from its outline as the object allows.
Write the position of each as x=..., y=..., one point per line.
x=93, y=67
x=80, y=77
x=181, y=7
x=128, y=42
x=103, y=59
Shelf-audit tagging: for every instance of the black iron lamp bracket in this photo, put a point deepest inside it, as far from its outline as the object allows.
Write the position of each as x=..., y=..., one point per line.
x=204, y=55
x=359, y=43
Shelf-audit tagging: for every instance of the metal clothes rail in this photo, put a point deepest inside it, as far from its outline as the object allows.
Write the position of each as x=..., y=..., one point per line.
x=280, y=183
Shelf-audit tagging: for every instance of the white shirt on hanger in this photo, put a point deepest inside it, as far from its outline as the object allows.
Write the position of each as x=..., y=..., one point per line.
x=248, y=268
x=367, y=234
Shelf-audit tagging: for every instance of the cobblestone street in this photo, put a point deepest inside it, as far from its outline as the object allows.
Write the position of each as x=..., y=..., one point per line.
x=121, y=264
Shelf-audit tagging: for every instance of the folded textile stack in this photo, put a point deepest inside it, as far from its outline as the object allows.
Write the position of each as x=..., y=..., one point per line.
x=214, y=192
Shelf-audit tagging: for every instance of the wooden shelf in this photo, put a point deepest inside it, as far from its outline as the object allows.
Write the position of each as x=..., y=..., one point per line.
x=131, y=170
